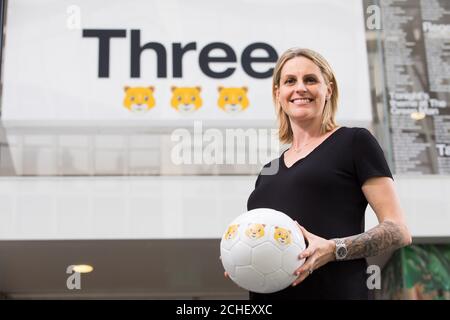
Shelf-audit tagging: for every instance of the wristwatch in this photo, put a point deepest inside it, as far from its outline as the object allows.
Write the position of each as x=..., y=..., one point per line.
x=341, y=249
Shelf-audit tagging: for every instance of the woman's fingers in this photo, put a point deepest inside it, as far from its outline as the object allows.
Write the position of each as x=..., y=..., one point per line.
x=308, y=265
x=308, y=252
x=299, y=280
x=301, y=276
x=316, y=255
x=300, y=227
x=305, y=232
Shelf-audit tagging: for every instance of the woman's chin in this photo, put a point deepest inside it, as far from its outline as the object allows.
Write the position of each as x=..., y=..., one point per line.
x=301, y=115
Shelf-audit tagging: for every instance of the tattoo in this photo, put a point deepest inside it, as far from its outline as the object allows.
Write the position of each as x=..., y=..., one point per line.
x=387, y=235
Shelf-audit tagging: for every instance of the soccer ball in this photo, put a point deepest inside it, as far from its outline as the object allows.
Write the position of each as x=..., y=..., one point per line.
x=260, y=248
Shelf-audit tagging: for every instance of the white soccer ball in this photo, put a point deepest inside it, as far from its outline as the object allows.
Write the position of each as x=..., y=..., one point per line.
x=260, y=248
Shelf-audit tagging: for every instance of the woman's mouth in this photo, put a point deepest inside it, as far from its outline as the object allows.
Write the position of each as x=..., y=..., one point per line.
x=301, y=101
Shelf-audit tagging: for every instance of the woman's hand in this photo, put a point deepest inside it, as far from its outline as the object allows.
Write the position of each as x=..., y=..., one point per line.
x=319, y=252
x=225, y=274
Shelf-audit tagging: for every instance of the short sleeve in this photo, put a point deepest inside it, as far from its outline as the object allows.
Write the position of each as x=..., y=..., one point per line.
x=368, y=157
x=257, y=181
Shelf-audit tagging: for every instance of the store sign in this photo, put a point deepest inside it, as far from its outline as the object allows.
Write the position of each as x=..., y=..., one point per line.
x=172, y=60
x=205, y=57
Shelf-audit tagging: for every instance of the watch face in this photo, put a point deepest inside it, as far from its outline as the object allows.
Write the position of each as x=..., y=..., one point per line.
x=341, y=252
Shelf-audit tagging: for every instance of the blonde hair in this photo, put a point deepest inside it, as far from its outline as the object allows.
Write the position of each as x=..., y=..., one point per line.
x=329, y=112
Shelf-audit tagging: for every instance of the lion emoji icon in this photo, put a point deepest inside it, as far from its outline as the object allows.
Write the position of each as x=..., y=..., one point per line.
x=186, y=99
x=231, y=232
x=139, y=99
x=255, y=230
x=233, y=100
x=282, y=236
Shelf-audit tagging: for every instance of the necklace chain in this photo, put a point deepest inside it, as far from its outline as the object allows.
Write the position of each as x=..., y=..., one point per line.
x=300, y=149
x=311, y=140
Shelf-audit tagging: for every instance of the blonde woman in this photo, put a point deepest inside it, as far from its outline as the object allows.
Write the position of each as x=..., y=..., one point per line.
x=325, y=181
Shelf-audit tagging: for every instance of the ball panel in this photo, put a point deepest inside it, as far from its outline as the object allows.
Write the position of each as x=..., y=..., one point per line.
x=227, y=261
x=298, y=239
x=249, y=278
x=266, y=258
x=277, y=281
x=241, y=254
x=290, y=260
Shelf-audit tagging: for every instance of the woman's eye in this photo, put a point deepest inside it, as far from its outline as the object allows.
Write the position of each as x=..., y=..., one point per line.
x=289, y=81
x=310, y=80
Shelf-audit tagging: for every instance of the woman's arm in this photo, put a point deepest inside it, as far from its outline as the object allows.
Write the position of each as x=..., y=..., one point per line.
x=391, y=233
x=387, y=235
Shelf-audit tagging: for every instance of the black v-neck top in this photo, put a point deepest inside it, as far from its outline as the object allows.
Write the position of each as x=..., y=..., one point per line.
x=322, y=191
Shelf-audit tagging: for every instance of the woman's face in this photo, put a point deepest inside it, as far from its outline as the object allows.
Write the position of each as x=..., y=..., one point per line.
x=302, y=90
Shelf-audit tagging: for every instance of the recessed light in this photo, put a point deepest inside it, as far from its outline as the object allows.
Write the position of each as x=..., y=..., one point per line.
x=83, y=268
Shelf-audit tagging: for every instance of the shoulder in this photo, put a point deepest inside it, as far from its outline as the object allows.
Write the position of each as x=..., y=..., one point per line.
x=354, y=130
x=365, y=144
x=362, y=135
x=357, y=134
x=357, y=139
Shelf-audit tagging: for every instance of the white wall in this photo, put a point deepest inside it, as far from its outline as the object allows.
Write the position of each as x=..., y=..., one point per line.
x=170, y=207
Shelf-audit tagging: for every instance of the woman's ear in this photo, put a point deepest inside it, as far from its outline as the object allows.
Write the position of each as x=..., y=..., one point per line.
x=329, y=90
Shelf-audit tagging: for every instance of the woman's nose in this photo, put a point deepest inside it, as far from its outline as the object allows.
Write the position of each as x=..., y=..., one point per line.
x=300, y=87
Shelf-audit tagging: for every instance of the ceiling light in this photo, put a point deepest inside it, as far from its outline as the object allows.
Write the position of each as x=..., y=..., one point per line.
x=83, y=268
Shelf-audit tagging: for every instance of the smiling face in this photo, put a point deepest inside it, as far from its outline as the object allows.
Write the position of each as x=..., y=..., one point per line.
x=302, y=90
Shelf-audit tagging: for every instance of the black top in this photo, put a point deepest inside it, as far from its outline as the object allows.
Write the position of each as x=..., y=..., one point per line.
x=322, y=191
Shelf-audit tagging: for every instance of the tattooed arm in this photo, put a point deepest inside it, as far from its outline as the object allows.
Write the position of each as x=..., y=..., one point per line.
x=391, y=233
x=386, y=236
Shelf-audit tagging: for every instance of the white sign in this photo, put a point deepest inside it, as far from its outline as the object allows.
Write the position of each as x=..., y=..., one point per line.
x=174, y=59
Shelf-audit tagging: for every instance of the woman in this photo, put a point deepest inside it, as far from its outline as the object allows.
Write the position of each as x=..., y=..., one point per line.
x=325, y=181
